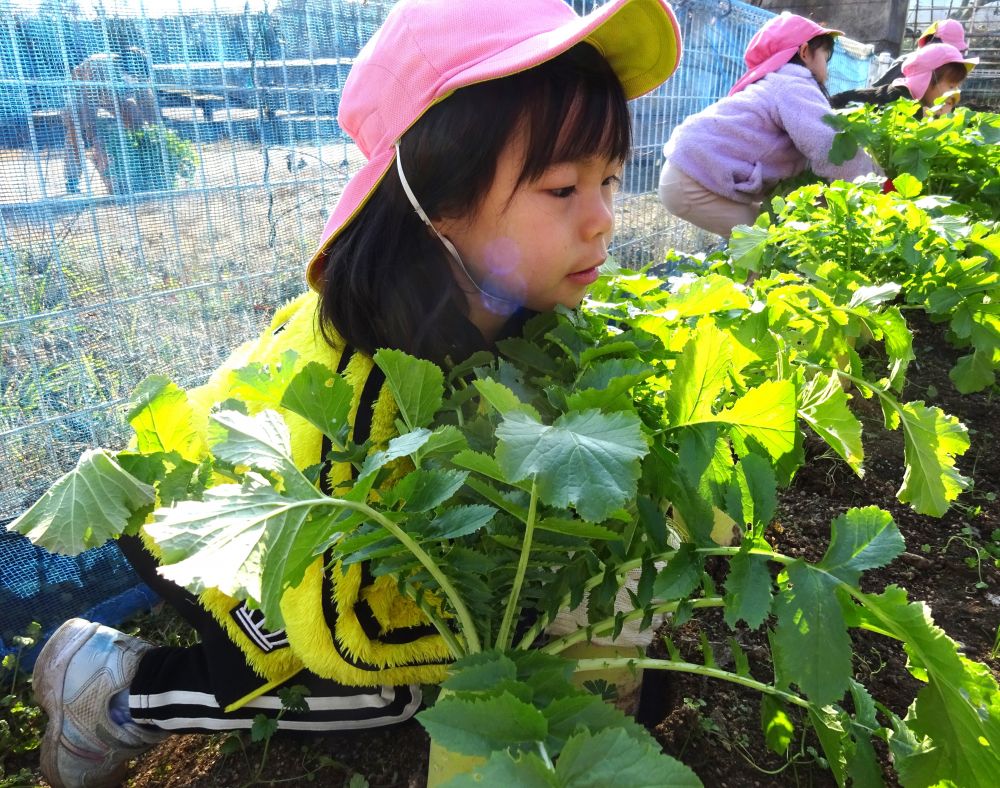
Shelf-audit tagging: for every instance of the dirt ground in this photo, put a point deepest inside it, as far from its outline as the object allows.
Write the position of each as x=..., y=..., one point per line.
x=714, y=727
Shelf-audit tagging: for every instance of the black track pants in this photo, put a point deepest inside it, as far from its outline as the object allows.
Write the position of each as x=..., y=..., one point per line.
x=186, y=689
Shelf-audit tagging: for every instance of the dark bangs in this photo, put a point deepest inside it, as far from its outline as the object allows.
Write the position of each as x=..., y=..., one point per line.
x=953, y=72
x=825, y=41
x=577, y=110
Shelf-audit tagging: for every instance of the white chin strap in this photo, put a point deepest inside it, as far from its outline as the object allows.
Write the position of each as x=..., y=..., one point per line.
x=447, y=244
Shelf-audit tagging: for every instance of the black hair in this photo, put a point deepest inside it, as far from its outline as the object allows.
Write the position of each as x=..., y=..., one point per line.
x=953, y=72
x=388, y=280
x=823, y=41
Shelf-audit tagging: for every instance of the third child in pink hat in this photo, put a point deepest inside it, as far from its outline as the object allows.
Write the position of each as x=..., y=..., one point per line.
x=945, y=31
x=928, y=74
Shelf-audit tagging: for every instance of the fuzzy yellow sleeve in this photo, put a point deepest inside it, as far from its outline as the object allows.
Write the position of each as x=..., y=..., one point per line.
x=339, y=624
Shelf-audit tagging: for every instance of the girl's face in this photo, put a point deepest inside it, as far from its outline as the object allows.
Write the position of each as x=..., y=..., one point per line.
x=816, y=61
x=940, y=88
x=539, y=243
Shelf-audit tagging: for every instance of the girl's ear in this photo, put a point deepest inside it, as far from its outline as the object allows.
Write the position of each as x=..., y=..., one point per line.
x=803, y=51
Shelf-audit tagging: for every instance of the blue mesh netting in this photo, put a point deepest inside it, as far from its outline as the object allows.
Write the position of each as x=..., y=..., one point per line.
x=165, y=169
x=38, y=586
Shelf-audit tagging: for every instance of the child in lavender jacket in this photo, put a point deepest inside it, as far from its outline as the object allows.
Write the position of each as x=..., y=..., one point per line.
x=722, y=162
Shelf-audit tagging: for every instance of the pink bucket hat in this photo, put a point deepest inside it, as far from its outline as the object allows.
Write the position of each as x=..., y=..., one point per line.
x=919, y=65
x=949, y=31
x=775, y=44
x=427, y=49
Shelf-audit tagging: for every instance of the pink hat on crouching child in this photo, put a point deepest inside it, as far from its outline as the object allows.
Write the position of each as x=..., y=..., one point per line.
x=919, y=65
x=427, y=49
x=949, y=31
x=775, y=44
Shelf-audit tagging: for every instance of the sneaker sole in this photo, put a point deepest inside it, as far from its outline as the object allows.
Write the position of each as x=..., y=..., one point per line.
x=48, y=686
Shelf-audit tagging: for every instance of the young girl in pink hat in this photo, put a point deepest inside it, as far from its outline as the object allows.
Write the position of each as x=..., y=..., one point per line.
x=724, y=161
x=943, y=31
x=494, y=133
x=930, y=73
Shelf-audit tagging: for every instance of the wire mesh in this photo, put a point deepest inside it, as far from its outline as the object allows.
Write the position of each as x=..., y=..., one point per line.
x=165, y=170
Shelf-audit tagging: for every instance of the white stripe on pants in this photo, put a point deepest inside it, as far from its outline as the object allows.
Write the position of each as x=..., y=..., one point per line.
x=353, y=708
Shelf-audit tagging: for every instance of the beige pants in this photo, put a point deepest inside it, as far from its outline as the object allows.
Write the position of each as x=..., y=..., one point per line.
x=687, y=199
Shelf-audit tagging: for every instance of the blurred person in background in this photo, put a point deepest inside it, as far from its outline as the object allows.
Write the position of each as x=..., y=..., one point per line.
x=112, y=92
x=944, y=31
x=931, y=75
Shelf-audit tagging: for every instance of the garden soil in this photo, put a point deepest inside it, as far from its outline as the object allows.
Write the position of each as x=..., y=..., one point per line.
x=711, y=726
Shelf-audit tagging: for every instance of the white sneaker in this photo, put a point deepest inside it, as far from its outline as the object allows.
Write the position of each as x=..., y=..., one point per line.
x=80, y=669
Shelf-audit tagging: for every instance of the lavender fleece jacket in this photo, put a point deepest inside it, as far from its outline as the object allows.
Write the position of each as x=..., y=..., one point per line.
x=742, y=145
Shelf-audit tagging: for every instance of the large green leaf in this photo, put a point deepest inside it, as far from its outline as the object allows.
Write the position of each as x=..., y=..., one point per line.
x=699, y=375
x=85, y=508
x=959, y=708
x=423, y=490
x=217, y=542
x=766, y=414
x=824, y=408
x=501, y=398
x=811, y=643
x=416, y=385
x=264, y=383
x=478, y=726
x=613, y=757
x=588, y=460
x=163, y=419
x=748, y=590
x=861, y=539
x=245, y=540
x=932, y=440
x=321, y=397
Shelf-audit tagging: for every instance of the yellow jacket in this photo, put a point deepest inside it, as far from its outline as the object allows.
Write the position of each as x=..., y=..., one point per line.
x=342, y=625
